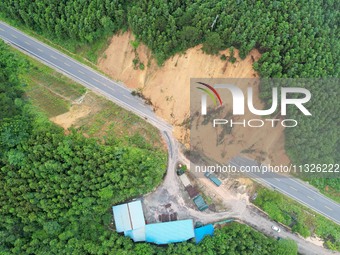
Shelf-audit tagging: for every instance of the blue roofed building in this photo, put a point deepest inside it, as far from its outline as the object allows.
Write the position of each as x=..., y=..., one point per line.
x=137, y=235
x=121, y=216
x=128, y=216
x=129, y=219
x=169, y=232
x=201, y=232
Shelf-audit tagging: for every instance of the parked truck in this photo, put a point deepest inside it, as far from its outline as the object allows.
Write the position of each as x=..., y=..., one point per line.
x=213, y=178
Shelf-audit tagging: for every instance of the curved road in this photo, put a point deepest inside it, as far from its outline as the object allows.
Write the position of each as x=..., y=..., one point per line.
x=119, y=94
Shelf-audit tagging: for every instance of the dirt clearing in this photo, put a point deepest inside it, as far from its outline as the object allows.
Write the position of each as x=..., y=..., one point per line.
x=66, y=120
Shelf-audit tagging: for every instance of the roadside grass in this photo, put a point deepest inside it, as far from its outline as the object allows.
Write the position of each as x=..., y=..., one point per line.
x=328, y=186
x=87, y=54
x=49, y=90
x=207, y=198
x=93, y=51
x=331, y=193
x=53, y=94
x=301, y=219
x=46, y=101
x=116, y=125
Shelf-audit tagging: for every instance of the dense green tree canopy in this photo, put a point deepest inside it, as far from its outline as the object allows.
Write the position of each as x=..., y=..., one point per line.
x=297, y=39
x=57, y=189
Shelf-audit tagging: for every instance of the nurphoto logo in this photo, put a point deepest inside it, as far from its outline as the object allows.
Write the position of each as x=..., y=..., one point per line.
x=298, y=97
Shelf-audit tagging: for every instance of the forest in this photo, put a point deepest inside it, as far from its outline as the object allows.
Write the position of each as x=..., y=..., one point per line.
x=297, y=39
x=44, y=172
x=57, y=189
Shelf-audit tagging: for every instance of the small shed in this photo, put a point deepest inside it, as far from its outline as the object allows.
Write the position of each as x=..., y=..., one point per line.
x=200, y=203
x=184, y=179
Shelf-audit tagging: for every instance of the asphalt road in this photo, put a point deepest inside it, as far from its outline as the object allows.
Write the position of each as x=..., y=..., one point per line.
x=293, y=188
x=83, y=74
x=119, y=94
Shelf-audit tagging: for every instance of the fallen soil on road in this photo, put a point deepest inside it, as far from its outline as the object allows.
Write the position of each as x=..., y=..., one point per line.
x=168, y=89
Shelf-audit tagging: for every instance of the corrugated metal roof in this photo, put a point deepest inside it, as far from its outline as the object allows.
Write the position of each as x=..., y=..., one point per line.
x=169, y=232
x=201, y=232
x=137, y=235
x=200, y=203
x=184, y=180
x=136, y=214
x=121, y=216
x=128, y=216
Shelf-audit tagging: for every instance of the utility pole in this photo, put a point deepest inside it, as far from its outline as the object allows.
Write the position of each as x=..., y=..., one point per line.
x=213, y=24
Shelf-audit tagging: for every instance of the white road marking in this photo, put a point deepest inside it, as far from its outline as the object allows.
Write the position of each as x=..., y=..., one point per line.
x=317, y=193
x=40, y=50
x=277, y=179
x=293, y=188
x=66, y=64
x=328, y=208
x=81, y=72
x=1, y=29
x=126, y=96
x=103, y=84
x=53, y=56
x=14, y=36
x=27, y=43
x=310, y=198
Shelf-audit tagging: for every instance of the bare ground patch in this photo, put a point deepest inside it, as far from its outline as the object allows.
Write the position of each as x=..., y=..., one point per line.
x=168, y=89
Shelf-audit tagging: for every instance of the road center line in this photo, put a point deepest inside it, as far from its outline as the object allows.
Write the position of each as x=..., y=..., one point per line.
x=277, y=179
x=81, y=72
x=1, y=29
x=310, y=198
x=66, y=64
x=130, y=98
x=53, y=57
x=40, y=50
x=328, y=208
x=103, y=84
x=27, y=43
x=293, y=188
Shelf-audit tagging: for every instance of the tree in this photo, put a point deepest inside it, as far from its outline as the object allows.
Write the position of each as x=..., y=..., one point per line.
x=212, y=44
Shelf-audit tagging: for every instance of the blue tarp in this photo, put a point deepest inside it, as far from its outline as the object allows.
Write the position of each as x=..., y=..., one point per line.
x=169, y=232
x=201, y=232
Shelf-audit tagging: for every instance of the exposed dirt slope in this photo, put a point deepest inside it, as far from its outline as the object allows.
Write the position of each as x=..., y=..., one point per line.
x=168, y=87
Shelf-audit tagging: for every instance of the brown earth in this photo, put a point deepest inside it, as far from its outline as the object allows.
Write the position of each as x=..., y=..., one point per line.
x=168, y=89
x=67, y=119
